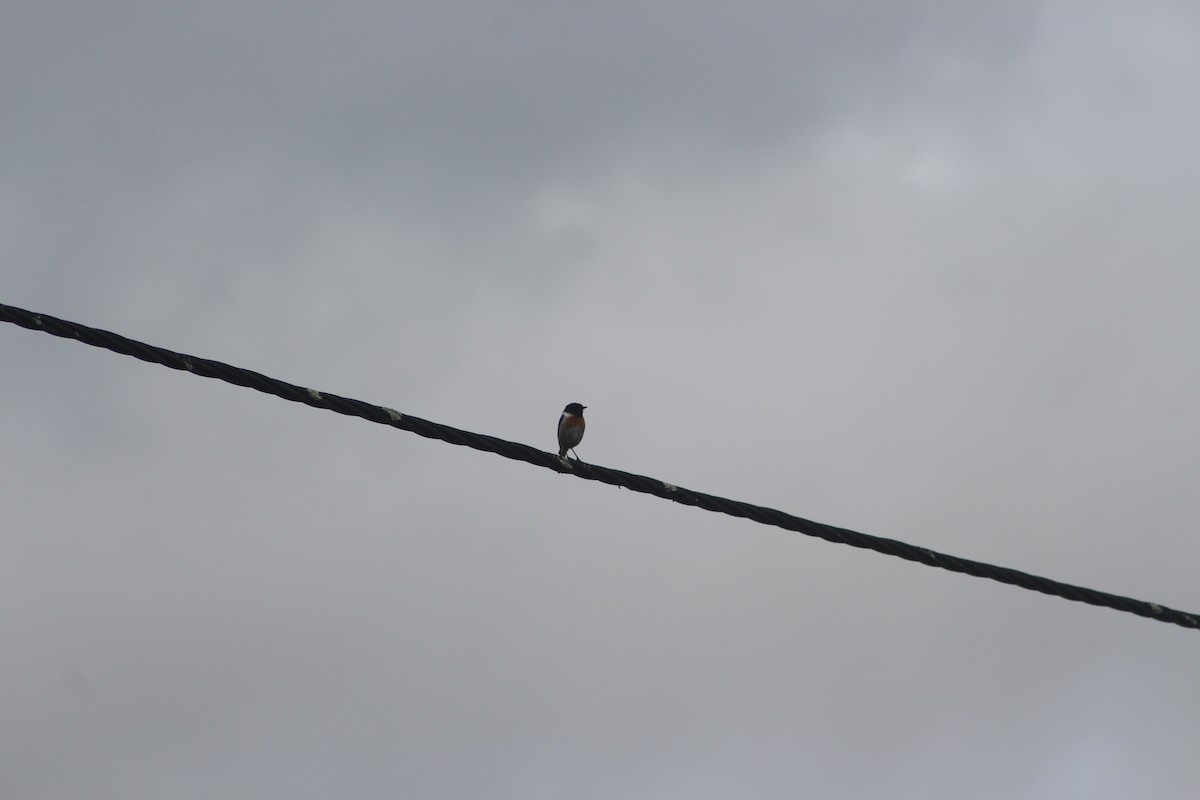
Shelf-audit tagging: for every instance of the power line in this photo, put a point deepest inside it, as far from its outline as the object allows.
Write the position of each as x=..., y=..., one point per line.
x=530, y=455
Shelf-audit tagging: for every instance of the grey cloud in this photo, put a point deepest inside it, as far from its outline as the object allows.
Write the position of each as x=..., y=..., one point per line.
x=921, y=271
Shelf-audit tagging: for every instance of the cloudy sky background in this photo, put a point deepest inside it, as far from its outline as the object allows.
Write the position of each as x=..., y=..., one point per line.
x=926, y=270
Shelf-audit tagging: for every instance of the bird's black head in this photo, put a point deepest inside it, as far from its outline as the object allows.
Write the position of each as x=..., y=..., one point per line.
x=574, y=408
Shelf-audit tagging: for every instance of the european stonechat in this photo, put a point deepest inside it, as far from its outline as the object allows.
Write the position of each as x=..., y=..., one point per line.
x=570, y=429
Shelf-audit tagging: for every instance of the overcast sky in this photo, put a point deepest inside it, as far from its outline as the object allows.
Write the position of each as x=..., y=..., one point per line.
x=926, y=270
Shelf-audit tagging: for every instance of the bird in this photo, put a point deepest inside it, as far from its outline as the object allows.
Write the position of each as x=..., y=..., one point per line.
x=570, y=429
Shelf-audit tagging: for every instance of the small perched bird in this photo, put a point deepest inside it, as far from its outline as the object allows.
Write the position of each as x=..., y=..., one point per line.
x=570, y=429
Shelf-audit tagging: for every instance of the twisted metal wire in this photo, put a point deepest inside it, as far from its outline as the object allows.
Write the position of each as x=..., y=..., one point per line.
x=530, y=455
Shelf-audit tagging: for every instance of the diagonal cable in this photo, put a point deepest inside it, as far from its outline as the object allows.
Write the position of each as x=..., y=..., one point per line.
x=638, y=483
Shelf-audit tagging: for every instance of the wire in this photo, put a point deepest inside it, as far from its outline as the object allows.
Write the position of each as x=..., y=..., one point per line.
x=530, y=455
